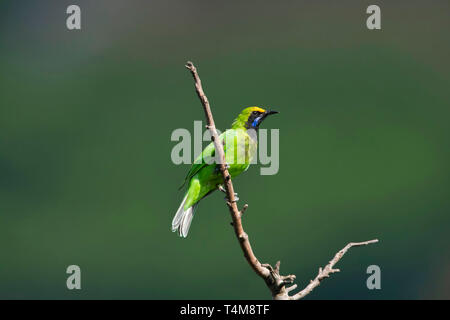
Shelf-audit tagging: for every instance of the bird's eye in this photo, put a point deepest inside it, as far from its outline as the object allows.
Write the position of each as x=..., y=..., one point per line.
x=255, y=112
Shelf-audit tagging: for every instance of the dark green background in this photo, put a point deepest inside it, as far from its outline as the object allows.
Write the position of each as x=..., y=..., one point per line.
x=86, y=117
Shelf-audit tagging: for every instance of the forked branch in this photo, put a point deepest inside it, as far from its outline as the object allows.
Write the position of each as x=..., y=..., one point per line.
x=275, y=282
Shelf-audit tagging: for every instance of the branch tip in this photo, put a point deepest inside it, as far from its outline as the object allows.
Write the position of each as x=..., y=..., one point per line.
x=189, y=65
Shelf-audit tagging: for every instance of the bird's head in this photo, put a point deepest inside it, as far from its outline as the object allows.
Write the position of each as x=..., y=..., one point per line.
x=251, y=118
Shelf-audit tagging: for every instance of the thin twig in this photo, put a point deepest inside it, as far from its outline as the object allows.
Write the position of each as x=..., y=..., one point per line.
x=328, y=269
x=276, y=282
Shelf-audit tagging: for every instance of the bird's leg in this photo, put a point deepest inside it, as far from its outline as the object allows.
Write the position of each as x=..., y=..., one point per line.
x=236, y=198
x=221, y=188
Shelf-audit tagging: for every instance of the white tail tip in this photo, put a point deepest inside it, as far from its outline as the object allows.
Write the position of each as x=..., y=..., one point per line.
x=183, y=218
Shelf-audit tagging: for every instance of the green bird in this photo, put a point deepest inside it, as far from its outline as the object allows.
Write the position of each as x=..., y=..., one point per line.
x=204, y=177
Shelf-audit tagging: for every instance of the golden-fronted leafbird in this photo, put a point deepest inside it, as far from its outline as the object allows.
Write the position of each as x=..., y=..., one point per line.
x=204, y=177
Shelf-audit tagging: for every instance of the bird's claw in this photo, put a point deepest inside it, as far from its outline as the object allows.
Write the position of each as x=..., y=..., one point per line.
x=236, y=198
x=221, y=188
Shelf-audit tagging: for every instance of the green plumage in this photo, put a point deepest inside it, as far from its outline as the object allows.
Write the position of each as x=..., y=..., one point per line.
x=204, y=177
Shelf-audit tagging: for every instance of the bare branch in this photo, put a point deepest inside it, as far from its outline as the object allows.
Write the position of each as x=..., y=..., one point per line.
x=234, y=211
x=328, y=269
x=275, y=282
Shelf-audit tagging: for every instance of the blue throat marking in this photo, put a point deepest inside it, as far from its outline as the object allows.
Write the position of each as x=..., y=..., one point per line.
x=255, y=122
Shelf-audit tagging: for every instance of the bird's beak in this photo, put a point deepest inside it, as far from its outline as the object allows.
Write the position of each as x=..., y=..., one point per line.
x=269, y=112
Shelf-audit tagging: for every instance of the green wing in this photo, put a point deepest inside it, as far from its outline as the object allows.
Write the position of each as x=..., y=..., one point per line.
x=199, y=163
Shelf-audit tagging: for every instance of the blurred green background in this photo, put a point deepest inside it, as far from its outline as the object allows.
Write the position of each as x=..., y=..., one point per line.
x=86, y=176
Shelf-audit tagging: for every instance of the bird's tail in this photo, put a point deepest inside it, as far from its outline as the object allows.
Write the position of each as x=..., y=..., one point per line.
x=183, y=218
